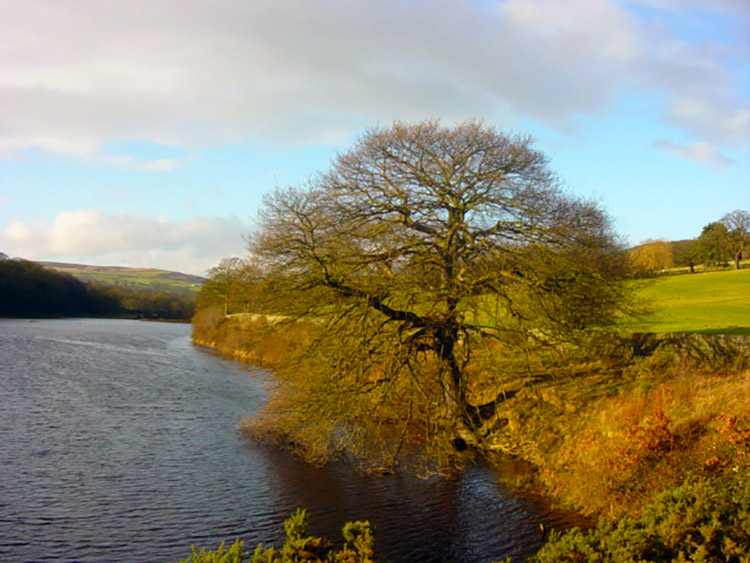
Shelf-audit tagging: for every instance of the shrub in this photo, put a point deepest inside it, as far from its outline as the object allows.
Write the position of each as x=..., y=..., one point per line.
x=233, y=555
x=698, y=521
x=298, y=547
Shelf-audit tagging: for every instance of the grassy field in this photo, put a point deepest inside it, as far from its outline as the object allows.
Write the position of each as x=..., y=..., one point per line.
x=131, y=277
x=711, y=302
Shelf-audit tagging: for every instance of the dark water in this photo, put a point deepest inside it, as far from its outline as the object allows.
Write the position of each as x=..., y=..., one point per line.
x=119, y=442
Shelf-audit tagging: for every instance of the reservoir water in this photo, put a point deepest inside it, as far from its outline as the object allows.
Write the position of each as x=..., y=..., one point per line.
x=119, y=442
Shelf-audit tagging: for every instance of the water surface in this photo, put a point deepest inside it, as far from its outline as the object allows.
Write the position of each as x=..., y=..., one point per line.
x=119, y=442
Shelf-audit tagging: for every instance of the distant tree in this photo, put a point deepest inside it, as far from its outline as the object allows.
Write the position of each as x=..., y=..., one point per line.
x=153, y=303
x=713, y=244
x=220, y=284
x=421, y=246
x=652, y=256
x=229, y=286
x=686, y=253
x=737, y=224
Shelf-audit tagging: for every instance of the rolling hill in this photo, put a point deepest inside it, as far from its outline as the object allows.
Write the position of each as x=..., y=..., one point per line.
x=131, y=277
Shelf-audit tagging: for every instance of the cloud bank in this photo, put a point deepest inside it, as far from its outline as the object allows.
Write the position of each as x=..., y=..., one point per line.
x=76, y=75
x=93, y=237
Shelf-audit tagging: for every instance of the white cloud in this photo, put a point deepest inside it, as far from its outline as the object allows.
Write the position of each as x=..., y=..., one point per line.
x=700, y=153
x=76, y=75
x=588, y=28
x=707, y=121
x=93, y=237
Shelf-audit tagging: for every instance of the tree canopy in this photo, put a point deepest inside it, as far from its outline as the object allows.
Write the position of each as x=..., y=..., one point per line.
x=713, y=243
x=420, y=249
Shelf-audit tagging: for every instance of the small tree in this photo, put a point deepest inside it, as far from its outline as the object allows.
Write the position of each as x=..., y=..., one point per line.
x=419, y=248
x=737, y=224
x=229, y=285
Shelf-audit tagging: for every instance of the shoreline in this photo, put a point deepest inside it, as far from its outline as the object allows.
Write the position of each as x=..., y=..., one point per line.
x=568, y=429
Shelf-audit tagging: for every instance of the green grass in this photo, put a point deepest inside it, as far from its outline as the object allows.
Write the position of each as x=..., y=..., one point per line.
x=141, y=279
x=711, y=302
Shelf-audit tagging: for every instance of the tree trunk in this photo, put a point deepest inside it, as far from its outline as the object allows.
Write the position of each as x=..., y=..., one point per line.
x=457, y=410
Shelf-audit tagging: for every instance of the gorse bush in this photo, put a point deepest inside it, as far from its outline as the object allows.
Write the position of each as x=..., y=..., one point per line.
x=234, y=554
x=298, y=547
x=698, y=521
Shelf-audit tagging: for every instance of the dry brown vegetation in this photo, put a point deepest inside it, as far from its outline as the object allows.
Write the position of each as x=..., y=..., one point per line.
x=251, y=338
x=605, y=444
x=604, y=435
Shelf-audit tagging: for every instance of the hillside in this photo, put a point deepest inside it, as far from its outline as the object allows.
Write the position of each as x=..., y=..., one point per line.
x=151, y=278
x=710, y=302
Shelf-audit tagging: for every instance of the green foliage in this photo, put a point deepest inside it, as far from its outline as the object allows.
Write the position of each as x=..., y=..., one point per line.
x=299, y=547
x=698, y=521
x=234, y=554
x=685, y=253
x=714, y=246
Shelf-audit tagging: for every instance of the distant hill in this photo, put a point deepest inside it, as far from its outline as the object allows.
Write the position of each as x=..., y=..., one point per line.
x=150, y=278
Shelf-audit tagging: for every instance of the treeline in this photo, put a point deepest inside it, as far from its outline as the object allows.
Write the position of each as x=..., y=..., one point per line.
x=28, y=289
x=149, y=303
x=720, y=243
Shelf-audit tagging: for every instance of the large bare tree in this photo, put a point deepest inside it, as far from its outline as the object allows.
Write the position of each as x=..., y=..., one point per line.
x=422, y=247
x=738, y=233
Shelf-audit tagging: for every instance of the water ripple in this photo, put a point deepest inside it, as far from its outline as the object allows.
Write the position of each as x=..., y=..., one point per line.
x=119, y=443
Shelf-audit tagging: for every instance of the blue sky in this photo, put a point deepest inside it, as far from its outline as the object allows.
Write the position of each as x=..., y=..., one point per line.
x=145, y=133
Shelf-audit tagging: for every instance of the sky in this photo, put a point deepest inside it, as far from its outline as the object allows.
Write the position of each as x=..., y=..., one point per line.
x=145, y=132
